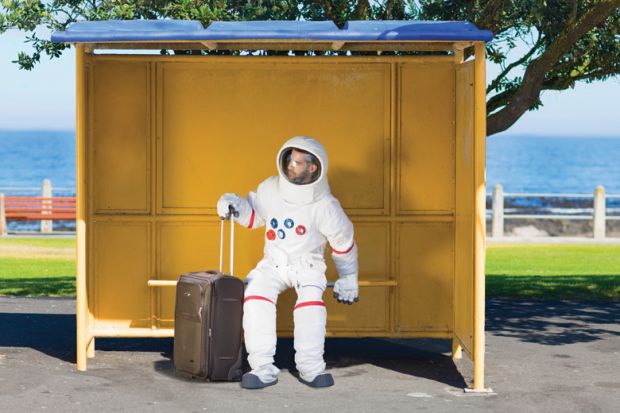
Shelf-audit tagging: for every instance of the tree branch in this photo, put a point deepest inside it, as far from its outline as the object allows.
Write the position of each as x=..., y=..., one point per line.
x=361, y=9
x=500, y=100
x=488, y=19
x=511, y=66
x=563, y=82
x=529, y=92
x=394, y=10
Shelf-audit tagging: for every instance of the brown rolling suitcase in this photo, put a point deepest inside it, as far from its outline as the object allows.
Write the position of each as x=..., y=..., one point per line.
x=207, y=324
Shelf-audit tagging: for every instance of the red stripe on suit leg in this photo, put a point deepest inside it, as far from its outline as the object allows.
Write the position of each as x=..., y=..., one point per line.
x=309, y=303
x=257, y=297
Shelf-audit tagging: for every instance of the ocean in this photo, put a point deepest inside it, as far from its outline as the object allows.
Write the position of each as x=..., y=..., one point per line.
x=28, y=157
x=521, y=164
x=555, y=165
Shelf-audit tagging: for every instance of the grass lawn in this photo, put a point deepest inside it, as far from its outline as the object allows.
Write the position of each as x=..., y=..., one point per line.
x=555, y=271
x=37, y=266
x=66, y=243
x=46, y=266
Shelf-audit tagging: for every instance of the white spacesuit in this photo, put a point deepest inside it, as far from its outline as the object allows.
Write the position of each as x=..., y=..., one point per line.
x=300, y=215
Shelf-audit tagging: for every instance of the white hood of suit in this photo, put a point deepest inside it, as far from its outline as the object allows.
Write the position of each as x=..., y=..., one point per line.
x=306, y=193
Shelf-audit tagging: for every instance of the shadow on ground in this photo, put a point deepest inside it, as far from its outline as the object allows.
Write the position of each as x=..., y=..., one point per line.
x=422, y=358
x=552, y=322
x=54, y=335
x=425, y=358
x=543, y=322
x=554, y=287
x=38, y=286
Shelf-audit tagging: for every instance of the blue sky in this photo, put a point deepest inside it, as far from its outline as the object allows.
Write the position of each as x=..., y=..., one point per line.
x=44, y=98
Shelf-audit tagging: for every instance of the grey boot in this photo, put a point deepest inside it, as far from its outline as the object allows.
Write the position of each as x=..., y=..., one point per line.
x=321, y=380
x=261, y=377
x=252, y=382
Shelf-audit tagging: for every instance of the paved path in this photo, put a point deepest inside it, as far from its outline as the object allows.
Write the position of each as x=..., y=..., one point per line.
x=542, y=356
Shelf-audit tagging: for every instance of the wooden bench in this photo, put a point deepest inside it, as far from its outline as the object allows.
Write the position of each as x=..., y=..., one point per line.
x=35, y=208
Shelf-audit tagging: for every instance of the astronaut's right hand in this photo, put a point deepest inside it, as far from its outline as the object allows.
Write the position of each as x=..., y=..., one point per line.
x=228, y=202
x=346, y=289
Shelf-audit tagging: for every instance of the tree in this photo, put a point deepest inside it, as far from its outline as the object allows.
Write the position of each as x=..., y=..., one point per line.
x=569, y=41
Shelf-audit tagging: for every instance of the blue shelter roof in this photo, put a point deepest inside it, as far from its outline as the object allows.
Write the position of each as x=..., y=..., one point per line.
x=279, y=30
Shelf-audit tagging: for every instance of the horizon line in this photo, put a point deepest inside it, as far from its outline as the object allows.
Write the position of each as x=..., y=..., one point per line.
x=496, y=136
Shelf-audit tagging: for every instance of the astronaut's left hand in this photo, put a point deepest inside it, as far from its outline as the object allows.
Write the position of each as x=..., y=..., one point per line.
x=230, y=201
x=346, y=289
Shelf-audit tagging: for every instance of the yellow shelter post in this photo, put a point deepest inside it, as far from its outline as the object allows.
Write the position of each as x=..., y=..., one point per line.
x=82, y=304
x=480, y=211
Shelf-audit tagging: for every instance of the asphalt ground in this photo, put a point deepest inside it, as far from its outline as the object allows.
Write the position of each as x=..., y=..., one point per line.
x=541, y=356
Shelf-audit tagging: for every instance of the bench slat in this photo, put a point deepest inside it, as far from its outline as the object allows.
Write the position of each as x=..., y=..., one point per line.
x=40, y=211
x=18, y=204
x=40, y=198
x=41, y=217
x=33, y=208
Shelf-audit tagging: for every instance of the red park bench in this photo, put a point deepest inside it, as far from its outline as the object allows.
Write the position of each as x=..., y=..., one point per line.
x=35, y=208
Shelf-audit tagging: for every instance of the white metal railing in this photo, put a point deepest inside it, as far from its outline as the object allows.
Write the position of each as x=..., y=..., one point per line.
x=598, y=216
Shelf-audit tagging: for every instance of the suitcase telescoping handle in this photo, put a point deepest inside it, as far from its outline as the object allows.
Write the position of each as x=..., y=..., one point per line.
x=232, y=240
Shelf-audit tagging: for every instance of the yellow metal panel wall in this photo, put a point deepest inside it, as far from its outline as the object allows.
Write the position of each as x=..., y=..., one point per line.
x=426, y=149
x=181, y=248
x=373, y=241
x=120, y=137
x=426, y=268
x=222, y=124
x=464, y=254
x=121, y=267
x=219, y=123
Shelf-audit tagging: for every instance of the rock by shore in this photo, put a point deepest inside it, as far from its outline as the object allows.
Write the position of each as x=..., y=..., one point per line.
x=553, y=228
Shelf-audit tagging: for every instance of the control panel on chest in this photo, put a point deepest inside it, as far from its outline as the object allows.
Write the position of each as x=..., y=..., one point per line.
x=287, y=228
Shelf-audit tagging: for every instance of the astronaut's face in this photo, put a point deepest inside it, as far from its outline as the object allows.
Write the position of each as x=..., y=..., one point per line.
x=298, y=169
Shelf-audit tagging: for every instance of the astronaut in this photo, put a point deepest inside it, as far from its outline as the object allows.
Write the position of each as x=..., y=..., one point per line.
x=300, y=215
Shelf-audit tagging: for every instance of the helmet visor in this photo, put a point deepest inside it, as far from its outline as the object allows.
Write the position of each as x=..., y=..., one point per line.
x=300, y=167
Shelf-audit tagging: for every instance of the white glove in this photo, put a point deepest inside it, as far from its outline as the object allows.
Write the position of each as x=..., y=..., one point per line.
x=346, y=289
x=230, y=200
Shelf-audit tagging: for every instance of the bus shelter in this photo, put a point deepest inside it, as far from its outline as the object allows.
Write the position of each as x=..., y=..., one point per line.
x=399, y=106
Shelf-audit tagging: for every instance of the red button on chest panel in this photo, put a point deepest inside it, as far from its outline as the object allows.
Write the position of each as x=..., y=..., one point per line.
x=271, y=235
x=300, y=230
